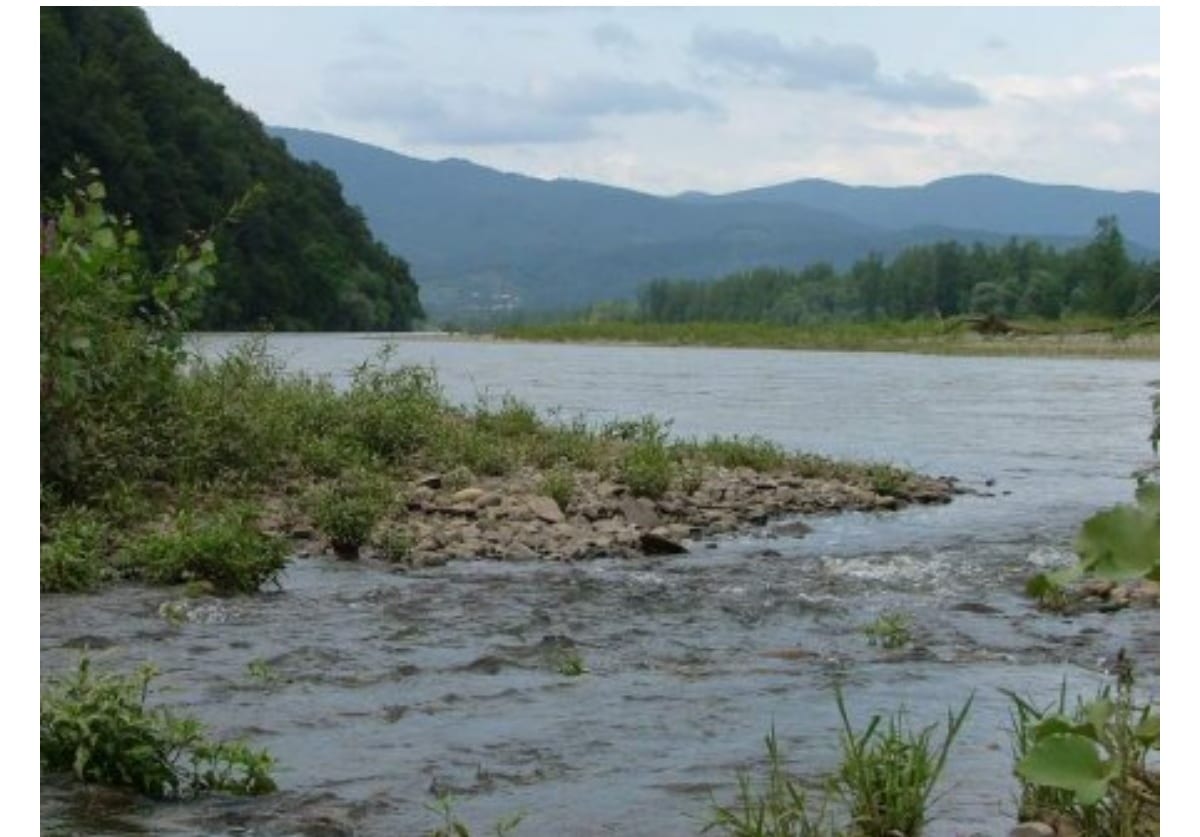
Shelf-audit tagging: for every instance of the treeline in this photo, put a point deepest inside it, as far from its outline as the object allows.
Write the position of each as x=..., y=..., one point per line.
x=1022, y=279
x=177, y=154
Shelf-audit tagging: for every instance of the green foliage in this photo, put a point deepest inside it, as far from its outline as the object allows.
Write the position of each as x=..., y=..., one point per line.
x=111, y=334
x=1123, y=542
x=886, y=480
x=452, y=826
x=224, y=548
x=73, y=559
x=754, y=452
x=779, y=808
x=888, y=774
x=648, y=469
x=890, y=630
x=347, y=509
x=1089, y=765
x=885, y=784
x=100, y=729
x=559, y=485
x=393, y=544
x=571, y=664
x=393, y=412
x=178, y=153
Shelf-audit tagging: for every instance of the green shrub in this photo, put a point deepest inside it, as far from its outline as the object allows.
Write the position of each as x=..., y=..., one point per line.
x=485, y=452
x=73, y=559
x=226, y=549
x=111, y=342
x=347, y=509
x=394, y=413
x=887, y=480
x=513, y=419
x=394, y=544
x=648, y=469
x=559, y=485
x=99, y=729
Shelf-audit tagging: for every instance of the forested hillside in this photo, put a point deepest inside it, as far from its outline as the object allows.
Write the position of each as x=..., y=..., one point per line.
x=177, y=155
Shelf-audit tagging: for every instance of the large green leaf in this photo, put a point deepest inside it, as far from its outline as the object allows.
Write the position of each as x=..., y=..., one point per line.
x=1119, y=543
x=1070, y=762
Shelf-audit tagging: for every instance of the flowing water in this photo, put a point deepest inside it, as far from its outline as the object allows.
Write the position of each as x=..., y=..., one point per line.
x=387, y=688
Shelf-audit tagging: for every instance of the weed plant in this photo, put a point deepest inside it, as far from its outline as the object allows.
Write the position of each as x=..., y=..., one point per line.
x=100, y=729
x=1089, y=764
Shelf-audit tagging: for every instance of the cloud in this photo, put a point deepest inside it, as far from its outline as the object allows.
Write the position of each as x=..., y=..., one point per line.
x=819, y=65
x=602, y=96
x=929, y=90
x=614, y=36
x=995, y=42
x=816, y=65
x=554, y=112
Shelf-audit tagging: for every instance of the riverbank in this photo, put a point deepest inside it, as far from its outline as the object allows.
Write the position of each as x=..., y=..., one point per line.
x=917, y=337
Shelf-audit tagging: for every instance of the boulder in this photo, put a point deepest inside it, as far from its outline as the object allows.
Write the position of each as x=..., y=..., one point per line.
x=639, y=511
x=467, y=495
x=544, y=508
x=652, y=543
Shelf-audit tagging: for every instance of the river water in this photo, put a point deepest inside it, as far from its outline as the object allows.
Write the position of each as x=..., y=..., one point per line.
x=387, y=688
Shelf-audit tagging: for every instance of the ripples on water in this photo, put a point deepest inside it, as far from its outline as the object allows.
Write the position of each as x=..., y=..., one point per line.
x=389, y=687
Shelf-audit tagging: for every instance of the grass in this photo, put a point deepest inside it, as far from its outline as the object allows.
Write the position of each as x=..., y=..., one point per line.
x=890, y=630
x=1070, y=337
x=72, y=561
x=100, y=729
x=559, y=485
x=884, y=785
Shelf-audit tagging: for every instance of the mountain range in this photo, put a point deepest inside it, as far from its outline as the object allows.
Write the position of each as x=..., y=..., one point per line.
x=483, y=241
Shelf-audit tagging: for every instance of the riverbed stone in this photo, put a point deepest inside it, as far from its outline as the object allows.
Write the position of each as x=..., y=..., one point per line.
x=544, y=508
x=467, y=495
x=1032, y=829
x=639, y=511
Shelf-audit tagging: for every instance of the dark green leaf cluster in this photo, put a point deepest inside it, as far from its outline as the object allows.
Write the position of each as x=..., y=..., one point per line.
x=177, y=154
x=99, y=728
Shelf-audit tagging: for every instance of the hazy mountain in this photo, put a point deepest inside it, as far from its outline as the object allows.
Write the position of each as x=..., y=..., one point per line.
x=976, y=201
x=477, y=238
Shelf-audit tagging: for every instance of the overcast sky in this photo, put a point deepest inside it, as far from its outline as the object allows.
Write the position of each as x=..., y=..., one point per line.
x=717, y=99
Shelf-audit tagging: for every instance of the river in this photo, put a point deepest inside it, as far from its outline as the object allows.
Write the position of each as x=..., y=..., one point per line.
x=390, y=686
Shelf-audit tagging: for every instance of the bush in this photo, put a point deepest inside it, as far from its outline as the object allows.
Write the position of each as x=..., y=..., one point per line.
x=111, y=342
x=647, y=469
x=73, y=559
x=394, y=413
x=225, y=549
x=559, y=485
x=347, y=510
x=100, y=730
x=394, y=544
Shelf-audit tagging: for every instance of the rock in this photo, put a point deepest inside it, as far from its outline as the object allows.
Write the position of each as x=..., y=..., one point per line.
x=975, y=607
x=1032, y=829
x=545, y=509
x=518, y=551
x=1144, y=591
x=792, y=529
x=652, y=543
x=639, y=511
x=433, y=481
x=487, y=500
x=1098, y=587
x=302, y=533
x=887, y=503
x=467, y=495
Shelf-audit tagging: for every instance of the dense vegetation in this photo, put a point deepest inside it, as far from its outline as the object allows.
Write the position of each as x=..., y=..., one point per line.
x=177, y=154
x=1019, y=279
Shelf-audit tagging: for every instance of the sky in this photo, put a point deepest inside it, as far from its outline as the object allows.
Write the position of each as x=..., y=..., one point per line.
x=666, y=100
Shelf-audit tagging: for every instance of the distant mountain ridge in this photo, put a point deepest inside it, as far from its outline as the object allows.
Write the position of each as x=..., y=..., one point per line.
x=484, y=240
x=971, y=201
